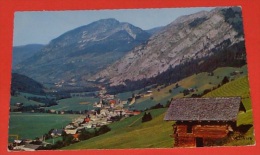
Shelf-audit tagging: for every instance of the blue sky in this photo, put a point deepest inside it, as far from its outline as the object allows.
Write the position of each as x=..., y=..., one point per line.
x=43, y=26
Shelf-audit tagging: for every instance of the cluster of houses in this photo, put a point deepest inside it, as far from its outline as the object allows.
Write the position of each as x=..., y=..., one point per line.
x=109, y=109
x=27, y=145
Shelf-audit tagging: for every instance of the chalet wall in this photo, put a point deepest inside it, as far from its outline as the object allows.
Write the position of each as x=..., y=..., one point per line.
x=214, y=131
x=187, y=134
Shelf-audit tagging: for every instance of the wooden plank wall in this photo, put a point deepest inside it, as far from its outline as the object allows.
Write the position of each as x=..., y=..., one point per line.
x=184, y=139
x=210, y=131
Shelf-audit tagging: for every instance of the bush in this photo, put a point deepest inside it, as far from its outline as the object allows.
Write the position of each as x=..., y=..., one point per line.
x=147, y=117
x=225, y=80
x=168, y=104
x=84, y=135
x=157, y=106
x=103, y=129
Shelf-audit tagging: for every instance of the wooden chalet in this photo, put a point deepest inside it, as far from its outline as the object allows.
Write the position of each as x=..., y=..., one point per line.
x=201, y=121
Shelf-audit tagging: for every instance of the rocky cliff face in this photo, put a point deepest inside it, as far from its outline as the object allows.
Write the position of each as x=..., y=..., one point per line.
x=188, y=37
x=82, y=52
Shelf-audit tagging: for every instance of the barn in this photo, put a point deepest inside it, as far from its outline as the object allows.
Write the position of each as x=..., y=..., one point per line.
x=200, y=121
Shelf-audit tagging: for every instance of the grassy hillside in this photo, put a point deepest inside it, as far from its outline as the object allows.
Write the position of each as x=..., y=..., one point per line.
x=131, y=133
x=200, y=82
x=25, y=101
x=22, y=83
x=239, y=87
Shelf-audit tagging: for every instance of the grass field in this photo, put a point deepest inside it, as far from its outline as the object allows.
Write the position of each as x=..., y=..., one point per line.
x=30, y=125
x=75, y=104
x=25, y=101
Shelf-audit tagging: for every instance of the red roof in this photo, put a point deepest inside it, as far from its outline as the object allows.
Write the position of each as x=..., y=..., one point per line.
x=112, y=101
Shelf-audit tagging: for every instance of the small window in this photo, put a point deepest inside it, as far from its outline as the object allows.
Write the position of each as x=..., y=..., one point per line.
x=189, y=129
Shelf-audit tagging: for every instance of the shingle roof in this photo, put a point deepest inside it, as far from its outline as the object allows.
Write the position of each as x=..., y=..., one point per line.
x=204, y=109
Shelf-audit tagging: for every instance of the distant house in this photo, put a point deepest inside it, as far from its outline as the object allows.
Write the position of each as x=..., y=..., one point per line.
x=70, y=126
x=87, y=119
x=76, y=137
x=148, y=93
x=52, y=111
x=112, y=103
x=200, y=121
x=18, y=104
x=56, y=132
x=71, y=131
x=136, y=113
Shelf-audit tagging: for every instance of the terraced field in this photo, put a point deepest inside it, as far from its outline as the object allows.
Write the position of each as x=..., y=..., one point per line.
x=239, y=87
x=200, y=82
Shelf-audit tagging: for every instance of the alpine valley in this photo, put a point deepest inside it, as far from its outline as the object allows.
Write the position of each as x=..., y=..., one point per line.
x=107, y=52
x=108, y=84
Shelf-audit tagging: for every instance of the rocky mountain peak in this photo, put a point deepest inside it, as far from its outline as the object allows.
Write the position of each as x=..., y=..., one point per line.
x=83, y=51
x=188, y=37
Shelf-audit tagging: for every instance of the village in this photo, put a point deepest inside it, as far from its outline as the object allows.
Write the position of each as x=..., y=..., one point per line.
x=109, y=109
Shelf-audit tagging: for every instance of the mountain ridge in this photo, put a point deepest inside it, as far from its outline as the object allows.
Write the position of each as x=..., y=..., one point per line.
x=82, y=51
x=188, y=37
x=23, y=52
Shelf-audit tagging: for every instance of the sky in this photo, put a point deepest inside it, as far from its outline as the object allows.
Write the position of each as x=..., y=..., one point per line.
x=31, y=27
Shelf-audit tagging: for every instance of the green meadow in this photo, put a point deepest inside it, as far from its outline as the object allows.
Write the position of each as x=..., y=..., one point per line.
x=25, y=101
x=200, y=82
x=31, y=125
x=75, y=104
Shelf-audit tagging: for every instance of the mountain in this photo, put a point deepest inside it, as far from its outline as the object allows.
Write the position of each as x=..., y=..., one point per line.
x=22, y=83
x=155, y=30
x=77, y=54
x=21, y=53
x=189, y=41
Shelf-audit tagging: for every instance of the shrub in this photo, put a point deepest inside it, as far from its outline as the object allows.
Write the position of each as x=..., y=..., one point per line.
x=147, y=117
